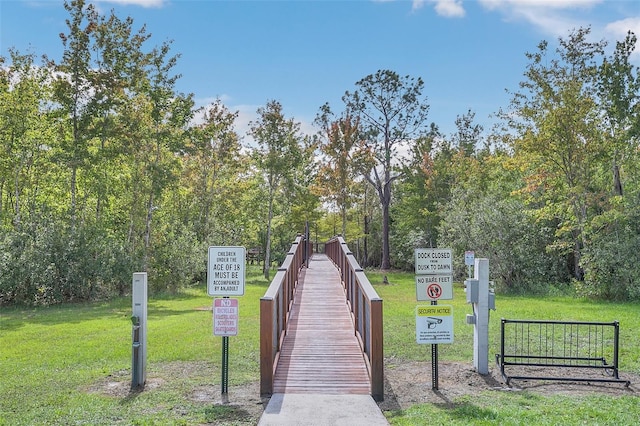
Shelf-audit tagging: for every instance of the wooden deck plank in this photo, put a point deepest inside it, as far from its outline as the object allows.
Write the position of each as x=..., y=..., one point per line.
x=320, y=353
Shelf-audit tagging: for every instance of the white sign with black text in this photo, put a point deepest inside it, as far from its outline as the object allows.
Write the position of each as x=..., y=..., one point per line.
x=225, y=271
x=434, y=324
x=433, y=261
x=434, y=287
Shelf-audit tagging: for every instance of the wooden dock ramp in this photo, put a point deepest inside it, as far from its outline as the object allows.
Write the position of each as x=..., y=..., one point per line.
x=320, y=352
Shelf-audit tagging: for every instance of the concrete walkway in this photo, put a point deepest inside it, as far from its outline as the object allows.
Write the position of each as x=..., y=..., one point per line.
x=322, y=410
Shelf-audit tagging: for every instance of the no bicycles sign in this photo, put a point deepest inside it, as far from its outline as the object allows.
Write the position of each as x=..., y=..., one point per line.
x=225, y=317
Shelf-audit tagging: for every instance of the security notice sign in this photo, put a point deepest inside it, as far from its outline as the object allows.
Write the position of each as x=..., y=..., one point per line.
x=434, y=324
x=225, y=317
x=434, y=287
x=225, y=271
x=432, y=261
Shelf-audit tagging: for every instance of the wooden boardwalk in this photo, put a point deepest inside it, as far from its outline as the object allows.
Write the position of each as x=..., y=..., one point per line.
x=320, y=353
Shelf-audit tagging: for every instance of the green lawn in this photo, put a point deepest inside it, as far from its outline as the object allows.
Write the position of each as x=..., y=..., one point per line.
x=524, y=408
x=399, y=320
x=52, y=360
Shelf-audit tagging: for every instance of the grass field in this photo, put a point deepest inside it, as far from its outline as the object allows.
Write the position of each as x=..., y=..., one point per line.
x=508, y=408
x=53, y=359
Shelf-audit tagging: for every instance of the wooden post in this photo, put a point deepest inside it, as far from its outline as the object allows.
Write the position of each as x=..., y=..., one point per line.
x=266, y=346
x=377, y=352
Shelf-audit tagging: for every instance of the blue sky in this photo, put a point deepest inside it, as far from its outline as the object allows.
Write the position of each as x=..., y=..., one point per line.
x=307, y=52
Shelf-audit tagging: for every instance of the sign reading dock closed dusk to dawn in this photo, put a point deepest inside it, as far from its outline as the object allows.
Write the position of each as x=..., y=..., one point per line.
x=225, y=271
x=432, y=261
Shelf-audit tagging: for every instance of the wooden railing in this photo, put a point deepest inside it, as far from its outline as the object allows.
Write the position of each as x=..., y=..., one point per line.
x=274, y=311
x=366, y=311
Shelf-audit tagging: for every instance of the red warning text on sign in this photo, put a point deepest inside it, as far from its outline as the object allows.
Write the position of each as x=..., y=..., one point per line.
x=434, y=287
x=225, y=317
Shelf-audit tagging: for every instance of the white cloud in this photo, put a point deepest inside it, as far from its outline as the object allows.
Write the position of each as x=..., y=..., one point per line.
x=143, y=3
x=246, y=114
x=538, y=4
x=553, y=17
x=449, y=8
x=446, y=8
x=558, y=17
x=620, y=28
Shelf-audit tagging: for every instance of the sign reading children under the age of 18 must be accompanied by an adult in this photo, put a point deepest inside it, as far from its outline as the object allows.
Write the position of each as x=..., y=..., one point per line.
x=225, y=271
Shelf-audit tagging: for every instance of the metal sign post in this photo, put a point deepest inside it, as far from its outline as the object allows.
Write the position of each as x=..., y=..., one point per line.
x=434, y=282
x=224, y=390
x=225, y=277
x=225, y=324
x=434, y=360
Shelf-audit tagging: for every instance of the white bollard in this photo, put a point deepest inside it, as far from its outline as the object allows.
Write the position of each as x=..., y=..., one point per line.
x=139, y=330
x=478, y=294
x=481, y=309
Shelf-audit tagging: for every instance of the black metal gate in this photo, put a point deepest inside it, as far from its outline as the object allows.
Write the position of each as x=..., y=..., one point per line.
x=562, y=347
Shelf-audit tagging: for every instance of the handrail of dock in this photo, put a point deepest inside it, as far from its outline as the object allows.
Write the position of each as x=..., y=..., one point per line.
x=274, y=310
x=366, y=311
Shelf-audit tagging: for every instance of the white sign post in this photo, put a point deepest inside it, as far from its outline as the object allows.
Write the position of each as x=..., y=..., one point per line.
x=225, y=271
x=139, y=331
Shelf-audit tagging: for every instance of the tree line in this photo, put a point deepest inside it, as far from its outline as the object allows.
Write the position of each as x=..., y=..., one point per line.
x=104, y=171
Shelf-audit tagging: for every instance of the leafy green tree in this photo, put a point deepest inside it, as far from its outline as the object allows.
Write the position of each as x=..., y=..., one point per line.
x=468, y=134
x=278, y=153
x=416, y=209
x=212, y=164
x=502, y=230
x=392, y=114
x=118, y=52
x=619, y=94
x=302, y=199
x=25, y=133
x=610, y=258
x=340, y=140
x=560, y=142
x=74, y=93
x=437, y=165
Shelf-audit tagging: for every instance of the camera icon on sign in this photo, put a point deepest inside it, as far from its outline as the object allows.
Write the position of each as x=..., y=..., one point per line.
x=432, y=322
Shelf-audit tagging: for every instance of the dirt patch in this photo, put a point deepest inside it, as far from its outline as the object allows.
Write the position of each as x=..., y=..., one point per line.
x=406, y=384
x=409, y=383
x=245, y=406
